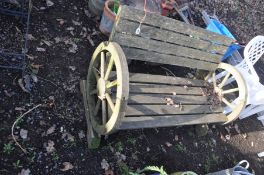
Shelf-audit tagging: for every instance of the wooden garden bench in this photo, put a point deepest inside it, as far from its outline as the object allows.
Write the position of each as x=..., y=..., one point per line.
x=116, y=99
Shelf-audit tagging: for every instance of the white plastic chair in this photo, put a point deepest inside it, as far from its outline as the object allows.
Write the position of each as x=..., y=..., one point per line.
x=252, y=53
x=255, y=102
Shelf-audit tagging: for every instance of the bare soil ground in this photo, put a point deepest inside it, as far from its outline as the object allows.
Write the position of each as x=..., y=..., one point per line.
x=63, y=30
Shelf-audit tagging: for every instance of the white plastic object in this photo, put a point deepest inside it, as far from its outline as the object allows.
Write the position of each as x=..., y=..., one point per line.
x=261, y=154
x=252, y=53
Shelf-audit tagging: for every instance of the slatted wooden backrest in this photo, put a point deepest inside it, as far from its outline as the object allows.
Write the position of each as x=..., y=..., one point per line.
x=167, y=41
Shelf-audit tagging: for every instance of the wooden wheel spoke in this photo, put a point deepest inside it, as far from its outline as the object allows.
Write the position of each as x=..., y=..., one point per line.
x=97, y=106
x=214, y=80
x=95, y=74
x=93, y=92
x=224, y=80
x=228, y=103
x=111, y=84
x=109, y=68
x=110, y=102
x=102, y=69
x=230, y=91
x=103, y=111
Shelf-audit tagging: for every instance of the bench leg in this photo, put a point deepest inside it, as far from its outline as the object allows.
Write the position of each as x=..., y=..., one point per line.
x=93, y=138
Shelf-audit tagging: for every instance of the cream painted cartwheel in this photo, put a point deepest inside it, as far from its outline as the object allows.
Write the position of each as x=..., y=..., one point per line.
x=107, y=87
x=232, y=96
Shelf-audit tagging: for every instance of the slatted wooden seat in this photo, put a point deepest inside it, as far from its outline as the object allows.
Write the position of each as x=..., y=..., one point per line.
x=116, y=99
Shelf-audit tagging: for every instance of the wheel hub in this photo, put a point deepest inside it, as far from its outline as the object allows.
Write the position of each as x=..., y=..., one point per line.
x=101, y=88
x=218, y=91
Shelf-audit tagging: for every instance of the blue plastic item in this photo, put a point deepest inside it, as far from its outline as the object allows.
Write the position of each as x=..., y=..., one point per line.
x=217, y=27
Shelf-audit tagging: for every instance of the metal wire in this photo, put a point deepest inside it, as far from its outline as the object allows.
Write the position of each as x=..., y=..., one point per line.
x=22, y=10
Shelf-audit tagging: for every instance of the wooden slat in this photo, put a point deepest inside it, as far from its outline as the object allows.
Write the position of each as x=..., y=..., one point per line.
x=161, y=79
x=165, y=48
x=170, y=120
x=141, y=110
x=163, y=89
x=159, y=21
x=143, y=55
x=161, y=99
x=129, y=27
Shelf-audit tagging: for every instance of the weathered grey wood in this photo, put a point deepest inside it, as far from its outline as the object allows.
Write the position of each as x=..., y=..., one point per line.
x=163, y=89
x=142, y=110
x=155, y=57
x=165, y=48
x=159, y=21
x=161, y=79
x=161, y=99
x=93, y=138
x=149, y=32
x=170, y=120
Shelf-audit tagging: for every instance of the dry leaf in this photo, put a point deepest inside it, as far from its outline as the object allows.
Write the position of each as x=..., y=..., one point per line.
x=90, y=40
x=49, y=3
x=169, y=101
x=36, y=66
x=30, y=37
x=7, y=93
x=20, y=109
x=76, y=23
x=70, y=28
x=104, y=164
x=50, y=148
x=120, y=157
x=237, y=129
x=67, y=166
x=68, y=137
x=51, y=129
x=176, y=138
x=61, y=21
x=81, y=134
x=109, y=172
x=73, y=68
x=30, y=57
x=168, y=144
x=20, y=83
x=48, y=43
x=24, y=172
x=40, y=49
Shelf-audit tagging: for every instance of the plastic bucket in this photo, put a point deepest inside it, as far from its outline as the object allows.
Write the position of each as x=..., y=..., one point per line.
x=239, y=169
x=108, y=18
x=96, y=6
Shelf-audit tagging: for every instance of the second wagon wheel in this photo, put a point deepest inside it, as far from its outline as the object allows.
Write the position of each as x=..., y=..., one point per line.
x=107, y=87
x=230, y=88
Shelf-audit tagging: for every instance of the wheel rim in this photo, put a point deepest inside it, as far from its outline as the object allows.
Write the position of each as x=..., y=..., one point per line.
x=237, y=91
x=107, y=92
